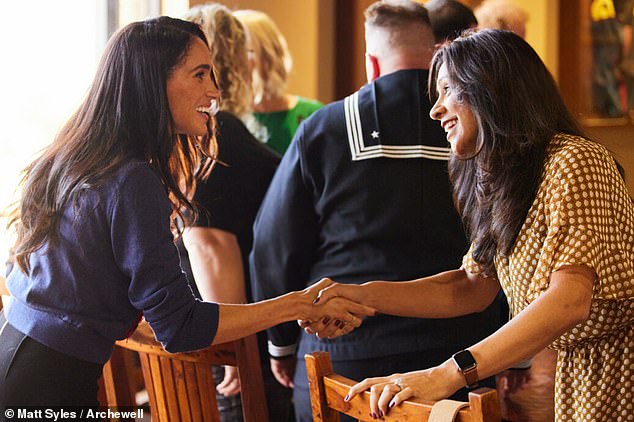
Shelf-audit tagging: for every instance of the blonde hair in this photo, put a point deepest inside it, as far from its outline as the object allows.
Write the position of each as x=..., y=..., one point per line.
x=227, y=42
x=501, y=14
x=274, y=61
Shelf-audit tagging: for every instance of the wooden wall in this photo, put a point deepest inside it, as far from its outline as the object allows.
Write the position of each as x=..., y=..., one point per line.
x=326, y=39
x=308, y=26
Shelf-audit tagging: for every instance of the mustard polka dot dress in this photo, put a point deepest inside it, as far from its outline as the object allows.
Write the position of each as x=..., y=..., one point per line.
x=582, y=215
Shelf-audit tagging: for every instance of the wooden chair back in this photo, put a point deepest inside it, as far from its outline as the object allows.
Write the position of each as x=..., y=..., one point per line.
x=180, y=386
x=327, y=391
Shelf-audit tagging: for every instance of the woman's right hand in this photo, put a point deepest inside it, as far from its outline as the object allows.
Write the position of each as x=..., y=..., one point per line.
x=334, y=315
x=353, y=292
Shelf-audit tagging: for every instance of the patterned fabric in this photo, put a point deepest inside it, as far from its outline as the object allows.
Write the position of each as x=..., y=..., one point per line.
x=582, y=215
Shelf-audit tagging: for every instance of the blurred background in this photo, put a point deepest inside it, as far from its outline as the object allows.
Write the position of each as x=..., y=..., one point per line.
x=50, y=50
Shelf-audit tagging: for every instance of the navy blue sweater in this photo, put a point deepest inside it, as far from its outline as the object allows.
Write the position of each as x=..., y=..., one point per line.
x=113, y=261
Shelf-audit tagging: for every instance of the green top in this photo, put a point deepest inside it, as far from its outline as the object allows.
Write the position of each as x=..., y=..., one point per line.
x=281, y=125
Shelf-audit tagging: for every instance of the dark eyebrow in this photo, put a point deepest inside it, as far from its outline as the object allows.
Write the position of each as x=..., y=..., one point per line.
x=205, y=67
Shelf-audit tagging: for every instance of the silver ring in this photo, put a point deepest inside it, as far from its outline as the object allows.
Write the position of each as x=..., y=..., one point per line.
x=398, y=382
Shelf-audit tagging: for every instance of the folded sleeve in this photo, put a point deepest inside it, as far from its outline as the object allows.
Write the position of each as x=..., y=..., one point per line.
x=469, y=263
x=144, y=249
x=590, y=220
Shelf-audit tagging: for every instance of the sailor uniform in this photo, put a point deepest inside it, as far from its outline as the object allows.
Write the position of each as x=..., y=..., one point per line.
x=363, y=194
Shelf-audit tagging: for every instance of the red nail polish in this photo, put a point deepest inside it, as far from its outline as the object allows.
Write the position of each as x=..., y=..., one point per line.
x=326, y=319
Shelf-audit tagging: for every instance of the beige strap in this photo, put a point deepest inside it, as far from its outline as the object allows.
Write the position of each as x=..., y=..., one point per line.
x=446, y=410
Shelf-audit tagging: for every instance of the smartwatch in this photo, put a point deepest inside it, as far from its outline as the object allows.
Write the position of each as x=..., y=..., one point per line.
x=468, y=367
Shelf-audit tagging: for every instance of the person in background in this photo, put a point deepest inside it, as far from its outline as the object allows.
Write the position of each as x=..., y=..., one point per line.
x=449, y=18
x=550, y=220
x=219, y=242
x=502, y=14
x=278, y=110
x=95, y=248
x=363, y=192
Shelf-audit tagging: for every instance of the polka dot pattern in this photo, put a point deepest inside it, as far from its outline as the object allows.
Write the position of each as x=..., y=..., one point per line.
x=582, y=215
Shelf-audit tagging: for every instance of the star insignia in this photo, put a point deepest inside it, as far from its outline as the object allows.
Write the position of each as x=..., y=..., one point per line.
x=375, y=134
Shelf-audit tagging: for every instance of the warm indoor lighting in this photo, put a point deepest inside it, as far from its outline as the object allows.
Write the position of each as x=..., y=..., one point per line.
x=50, y=51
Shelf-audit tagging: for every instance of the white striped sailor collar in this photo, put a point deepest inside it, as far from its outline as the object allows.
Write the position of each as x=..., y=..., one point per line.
x=365, y=137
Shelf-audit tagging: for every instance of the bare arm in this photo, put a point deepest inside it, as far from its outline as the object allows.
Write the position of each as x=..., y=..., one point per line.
x=443, y=295
x=565, y=304
x=220, y=278
x=216, y=264
x=237, y=321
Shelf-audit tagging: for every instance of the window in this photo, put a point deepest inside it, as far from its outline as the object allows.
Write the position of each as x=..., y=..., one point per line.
x=50, y=51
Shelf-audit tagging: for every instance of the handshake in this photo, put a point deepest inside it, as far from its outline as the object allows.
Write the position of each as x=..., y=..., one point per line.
x=336, y=309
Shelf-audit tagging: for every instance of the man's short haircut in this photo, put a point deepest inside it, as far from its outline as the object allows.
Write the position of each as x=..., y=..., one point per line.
x=393, y=14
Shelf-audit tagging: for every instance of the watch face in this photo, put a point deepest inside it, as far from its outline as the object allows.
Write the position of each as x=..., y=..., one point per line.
x=464, y=359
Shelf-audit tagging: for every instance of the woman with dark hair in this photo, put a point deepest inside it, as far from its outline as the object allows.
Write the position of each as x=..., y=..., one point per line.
x=95, y=248
x=550, y=220
x=220, y=240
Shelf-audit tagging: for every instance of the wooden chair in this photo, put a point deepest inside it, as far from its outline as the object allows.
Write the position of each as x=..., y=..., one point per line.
x=328, y=389
x=180, y=386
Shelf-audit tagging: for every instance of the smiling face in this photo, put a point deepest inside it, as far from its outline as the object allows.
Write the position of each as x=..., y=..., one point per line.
x=456, y=117
x=192, y=91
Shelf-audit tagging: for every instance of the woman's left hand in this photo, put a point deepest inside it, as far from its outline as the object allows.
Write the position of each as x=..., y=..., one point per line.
x=429, y=384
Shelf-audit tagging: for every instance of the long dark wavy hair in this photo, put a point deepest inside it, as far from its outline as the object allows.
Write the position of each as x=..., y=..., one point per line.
x=125, y=115
x=518, y=109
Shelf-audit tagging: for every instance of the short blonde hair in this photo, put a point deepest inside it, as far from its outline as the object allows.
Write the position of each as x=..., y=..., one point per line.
x=229, y=55
x=501, y=14
x=272, y=57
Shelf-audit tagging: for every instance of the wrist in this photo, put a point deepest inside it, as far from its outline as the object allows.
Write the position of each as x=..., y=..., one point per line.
x=281, y=352
x=452, y=374
x=467, y=366
x=302, y=305
x=362, y=293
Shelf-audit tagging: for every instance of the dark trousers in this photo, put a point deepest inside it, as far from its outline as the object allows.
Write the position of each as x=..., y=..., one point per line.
x=374, y=367
x=32, y=374
x=278, y=398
